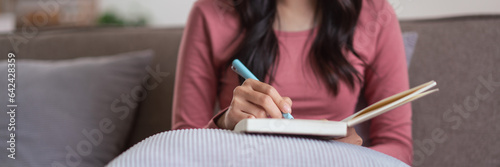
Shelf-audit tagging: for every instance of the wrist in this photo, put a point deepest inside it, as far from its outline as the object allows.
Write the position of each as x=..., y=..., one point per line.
x=219, y=121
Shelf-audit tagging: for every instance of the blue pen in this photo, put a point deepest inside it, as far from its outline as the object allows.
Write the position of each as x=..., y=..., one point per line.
x=243, y=71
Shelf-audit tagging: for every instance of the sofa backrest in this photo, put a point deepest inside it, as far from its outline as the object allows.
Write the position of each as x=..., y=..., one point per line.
x=153, y=114
x=458, y=126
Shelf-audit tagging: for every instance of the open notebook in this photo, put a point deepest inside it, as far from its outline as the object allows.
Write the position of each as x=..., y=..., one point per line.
x=323, y=128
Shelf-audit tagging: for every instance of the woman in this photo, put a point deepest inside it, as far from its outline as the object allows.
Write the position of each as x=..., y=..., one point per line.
x=318, y=54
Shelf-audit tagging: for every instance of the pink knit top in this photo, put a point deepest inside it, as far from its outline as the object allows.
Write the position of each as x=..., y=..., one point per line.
x=207, y=45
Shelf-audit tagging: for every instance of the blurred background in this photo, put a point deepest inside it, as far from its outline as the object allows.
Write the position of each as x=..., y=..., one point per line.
x=173, y=13
x=84, y=13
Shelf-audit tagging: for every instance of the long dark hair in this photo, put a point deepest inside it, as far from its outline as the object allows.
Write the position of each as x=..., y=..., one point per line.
x=336, y=20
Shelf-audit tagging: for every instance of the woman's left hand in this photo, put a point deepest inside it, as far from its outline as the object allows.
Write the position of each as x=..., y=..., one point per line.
x=351, y=138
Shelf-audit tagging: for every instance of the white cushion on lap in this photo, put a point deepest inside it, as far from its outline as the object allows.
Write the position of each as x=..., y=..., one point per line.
x=215, y=147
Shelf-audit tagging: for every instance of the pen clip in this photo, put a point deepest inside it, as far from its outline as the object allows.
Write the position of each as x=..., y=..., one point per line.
x=235, y=70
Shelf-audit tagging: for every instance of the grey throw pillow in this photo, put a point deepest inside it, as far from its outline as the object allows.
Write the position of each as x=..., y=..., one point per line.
x=74, y=112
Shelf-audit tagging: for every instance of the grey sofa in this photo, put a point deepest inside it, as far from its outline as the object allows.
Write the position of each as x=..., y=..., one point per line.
x=456, y=127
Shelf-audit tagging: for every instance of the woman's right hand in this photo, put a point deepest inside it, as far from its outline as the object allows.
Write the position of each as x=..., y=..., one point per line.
x=254, y=99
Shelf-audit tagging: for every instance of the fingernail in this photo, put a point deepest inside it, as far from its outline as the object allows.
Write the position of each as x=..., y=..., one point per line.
x=287, y=108
x=251, y=117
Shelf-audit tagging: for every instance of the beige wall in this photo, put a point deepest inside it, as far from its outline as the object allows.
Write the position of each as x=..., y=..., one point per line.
x=174, y=12
x=161, y=13
x=421, y=9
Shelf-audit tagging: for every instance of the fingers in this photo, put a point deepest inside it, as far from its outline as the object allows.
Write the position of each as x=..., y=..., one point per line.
x=249, y=108
x=255, y=99
x=260, y=99
x=289, y=101
x=281, y=103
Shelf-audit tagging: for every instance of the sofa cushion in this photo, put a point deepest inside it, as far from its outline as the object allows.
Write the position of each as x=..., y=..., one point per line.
x=73, y=112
